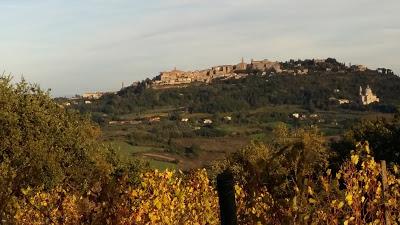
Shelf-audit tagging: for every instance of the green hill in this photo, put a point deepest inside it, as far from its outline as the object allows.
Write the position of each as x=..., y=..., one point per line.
x=310, y=91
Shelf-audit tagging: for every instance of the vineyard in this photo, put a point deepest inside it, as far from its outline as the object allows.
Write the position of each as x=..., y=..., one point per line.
x=354, y=195
x=54, y=170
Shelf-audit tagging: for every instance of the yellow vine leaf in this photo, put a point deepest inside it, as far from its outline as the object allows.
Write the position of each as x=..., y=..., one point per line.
x=354, y=159
x=349, y=199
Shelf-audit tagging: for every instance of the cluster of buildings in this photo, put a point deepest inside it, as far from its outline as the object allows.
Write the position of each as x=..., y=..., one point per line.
x=93, y=95
x=367, y=96
x=178, y=77
x=242, y=69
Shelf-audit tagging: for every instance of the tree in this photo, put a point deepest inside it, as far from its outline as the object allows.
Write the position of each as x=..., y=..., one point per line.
x=383, y=136
x=285, y=167
x=293, y=156
x=44, y=145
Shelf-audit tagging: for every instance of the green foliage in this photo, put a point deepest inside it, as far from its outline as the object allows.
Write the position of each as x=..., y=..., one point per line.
x=175, y=116
x=210, y=131
x=383, y=136
x=293, y=159
x=44, y=145
x=311, y=91
x=193, y=150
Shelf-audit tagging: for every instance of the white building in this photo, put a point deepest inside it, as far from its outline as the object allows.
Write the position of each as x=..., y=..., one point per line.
x=367, y=97
x=343, y=101
x=228, y=118
x=207, y=121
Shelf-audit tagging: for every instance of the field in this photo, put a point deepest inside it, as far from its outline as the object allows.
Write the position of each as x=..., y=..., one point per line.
x=171, y=143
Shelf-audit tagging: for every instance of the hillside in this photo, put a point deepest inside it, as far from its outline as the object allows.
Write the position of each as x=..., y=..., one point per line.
x=193, y=124
x=259, y=88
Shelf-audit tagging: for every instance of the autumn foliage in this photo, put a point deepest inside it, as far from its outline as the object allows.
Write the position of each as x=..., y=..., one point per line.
x=351, y=196
x=53, y=171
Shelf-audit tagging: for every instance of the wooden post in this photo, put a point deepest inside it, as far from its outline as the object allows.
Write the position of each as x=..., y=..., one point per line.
x=226, y=194
x=385, y=187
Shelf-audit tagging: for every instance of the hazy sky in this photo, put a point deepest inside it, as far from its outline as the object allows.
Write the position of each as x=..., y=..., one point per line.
x=89, y=45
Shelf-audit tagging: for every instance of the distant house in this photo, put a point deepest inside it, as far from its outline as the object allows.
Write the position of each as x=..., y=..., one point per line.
x=207, y=121
x=154, y=119
x=299, y=116
x=228, y=118
x=339, y=101
x=88, y=102
x=302, y=72
x=343, y=101
x=185, y=119
x=296, y=115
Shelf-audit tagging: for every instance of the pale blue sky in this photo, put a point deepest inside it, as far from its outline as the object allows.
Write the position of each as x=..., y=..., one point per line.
x=94, y=45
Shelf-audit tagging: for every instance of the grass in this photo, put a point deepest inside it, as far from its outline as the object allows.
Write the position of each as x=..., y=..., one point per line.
x=273, y=125
x=126, y=150
x=218, y=144
x=259, y=137
x=161, y=111
x=279, y=108
x=237, y=128
x=160, y=165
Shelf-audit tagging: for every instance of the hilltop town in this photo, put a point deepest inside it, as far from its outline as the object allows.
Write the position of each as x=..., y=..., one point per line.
x=312, y=83
x=242, y=69
x=178, y=77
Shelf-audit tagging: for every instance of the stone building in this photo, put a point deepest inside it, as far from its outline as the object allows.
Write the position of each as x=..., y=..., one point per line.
x=359, y=68
x=174, y=77
x=221, y=70
x=367, y=97
x=93, y=95
x=264, y=65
